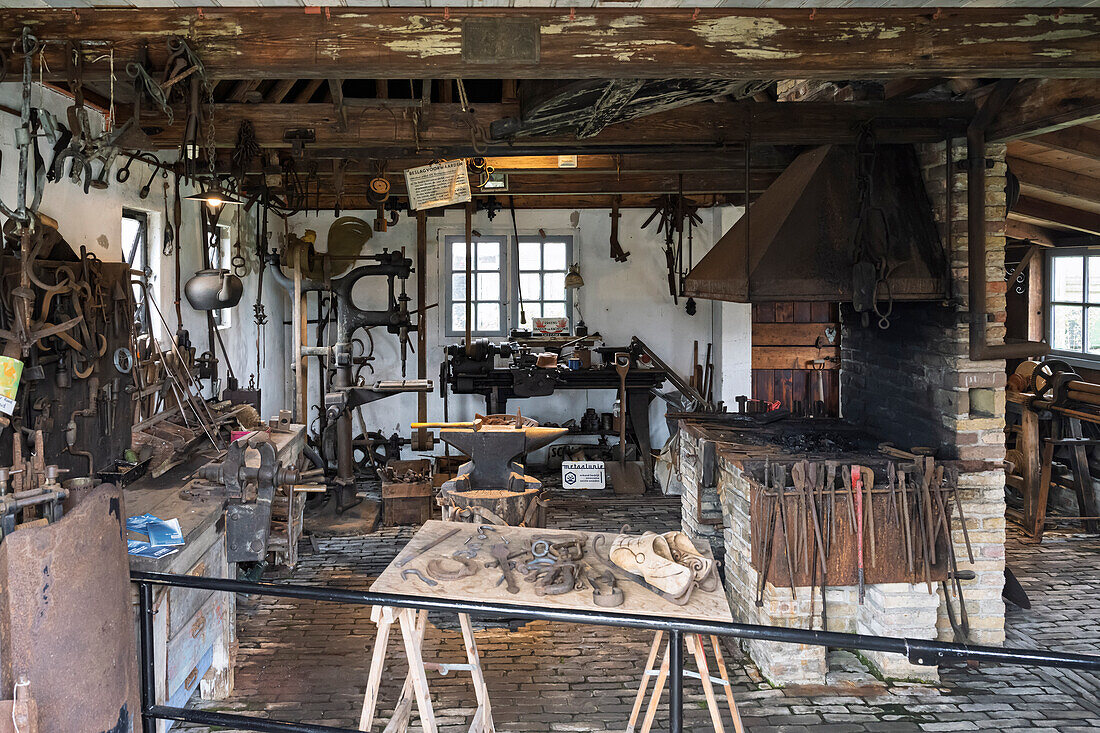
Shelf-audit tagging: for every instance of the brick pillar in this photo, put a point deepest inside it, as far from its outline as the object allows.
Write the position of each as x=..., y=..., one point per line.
x=899, y=609
x=971, y=394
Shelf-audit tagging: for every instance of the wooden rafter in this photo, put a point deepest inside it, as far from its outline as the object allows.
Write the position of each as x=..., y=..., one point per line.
x=1046, y=213
x=1080, y=141
x=279, y=90
x=711, y=124
x=767, y=43
x=1055, y=183
x=308, y=91
x=1038, y=106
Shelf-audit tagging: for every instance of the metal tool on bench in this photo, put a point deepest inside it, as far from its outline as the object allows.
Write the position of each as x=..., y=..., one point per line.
x=250, y=491
x=627, y=477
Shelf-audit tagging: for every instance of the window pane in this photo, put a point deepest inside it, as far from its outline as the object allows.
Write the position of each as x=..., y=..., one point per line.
x=488, y=286
x=1069, y=275
x=458, y=317
x=530, y=286
x=488, y=317
x=458, y=255
x=1093, y=315
x=553, y=254
x=553, y=285
x=553, y=310
x=1066, y=328
x=533, y=310
x=1094, y=279
x=529, y=257
x=488, y=255
x=458, y=287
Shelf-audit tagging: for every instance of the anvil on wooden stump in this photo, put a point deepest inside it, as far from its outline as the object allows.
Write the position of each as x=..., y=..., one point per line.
x=492, y=487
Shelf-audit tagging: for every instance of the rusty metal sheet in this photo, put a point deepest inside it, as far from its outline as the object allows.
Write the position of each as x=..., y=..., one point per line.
x=66, y=624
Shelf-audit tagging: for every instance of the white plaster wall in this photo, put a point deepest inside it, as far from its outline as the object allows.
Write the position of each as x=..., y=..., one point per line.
x=619, y=300
x=93, y=220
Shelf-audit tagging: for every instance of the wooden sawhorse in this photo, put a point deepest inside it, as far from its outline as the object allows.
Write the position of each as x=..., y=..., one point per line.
x=695, y=647
x=413, y=624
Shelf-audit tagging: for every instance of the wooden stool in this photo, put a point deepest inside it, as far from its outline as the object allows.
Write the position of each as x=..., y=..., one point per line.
x=413, y=624
x=695, y=647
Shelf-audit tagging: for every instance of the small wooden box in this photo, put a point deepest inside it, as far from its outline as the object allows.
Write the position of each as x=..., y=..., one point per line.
x=407, y=502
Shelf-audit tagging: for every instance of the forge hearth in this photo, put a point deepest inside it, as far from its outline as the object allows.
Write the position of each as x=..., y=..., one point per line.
x=730, y=470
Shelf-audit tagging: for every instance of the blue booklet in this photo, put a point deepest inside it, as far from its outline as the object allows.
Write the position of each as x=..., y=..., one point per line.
x=144, y=549
x=161, y=533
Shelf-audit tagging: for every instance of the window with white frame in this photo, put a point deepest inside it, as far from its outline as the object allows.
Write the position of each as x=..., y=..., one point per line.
x=1073, y=302
x=503, y=270
x=542, y=264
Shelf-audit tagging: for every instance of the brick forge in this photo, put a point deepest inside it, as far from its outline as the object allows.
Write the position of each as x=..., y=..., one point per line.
x=914, y=385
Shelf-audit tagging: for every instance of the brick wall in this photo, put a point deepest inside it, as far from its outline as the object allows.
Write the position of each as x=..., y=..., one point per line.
x=914, y=384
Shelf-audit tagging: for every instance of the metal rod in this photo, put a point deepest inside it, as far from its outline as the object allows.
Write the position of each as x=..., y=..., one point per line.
x=919, y=651
x=240, y=722
x=148, y=660
x=676, y=681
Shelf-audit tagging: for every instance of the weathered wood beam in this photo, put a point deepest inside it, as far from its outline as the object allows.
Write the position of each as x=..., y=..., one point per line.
x=242, y=89
x=279, y=90
x=336, y=89
x=1080, y=141
x=1038, y=106
x=545, y=43
x=1045, y=213
x=648, y=184
x=709, y=124
x=308, y=91
x=1030, y=232
x=535, y=201
x=1055, y=182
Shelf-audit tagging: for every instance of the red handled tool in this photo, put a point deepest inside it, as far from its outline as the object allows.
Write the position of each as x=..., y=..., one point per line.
x=857, y=491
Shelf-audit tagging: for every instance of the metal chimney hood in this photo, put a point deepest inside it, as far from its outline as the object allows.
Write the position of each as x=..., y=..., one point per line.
x=796, y=241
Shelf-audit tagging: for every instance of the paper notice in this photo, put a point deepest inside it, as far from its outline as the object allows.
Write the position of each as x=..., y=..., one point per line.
x=441, y=184
x=10, y=372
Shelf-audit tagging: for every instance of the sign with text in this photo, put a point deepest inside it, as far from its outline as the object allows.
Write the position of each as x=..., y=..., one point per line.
x=551, y=326
x=583, y=475
x=440, y=184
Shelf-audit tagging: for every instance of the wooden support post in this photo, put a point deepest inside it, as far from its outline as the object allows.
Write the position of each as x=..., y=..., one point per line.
x=423, y=436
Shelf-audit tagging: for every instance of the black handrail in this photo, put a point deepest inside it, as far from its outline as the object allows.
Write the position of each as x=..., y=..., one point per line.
x=917, y=651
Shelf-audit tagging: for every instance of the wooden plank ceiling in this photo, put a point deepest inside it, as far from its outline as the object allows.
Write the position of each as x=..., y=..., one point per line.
x=653, y=103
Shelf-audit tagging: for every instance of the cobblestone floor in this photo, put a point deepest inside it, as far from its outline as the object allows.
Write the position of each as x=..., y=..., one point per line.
x=308, y=661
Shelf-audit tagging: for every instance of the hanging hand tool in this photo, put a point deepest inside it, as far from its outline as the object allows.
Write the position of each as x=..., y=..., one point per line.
x=857, y=489
x=782, y=501
x=906, y=530
x=768, y=530
x=617, y=252
x=868, y=480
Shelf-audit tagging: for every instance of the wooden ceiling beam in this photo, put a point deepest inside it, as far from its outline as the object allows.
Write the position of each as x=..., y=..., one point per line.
x=1039, y=106
x=242, y=89
x=1081, y=141
x=446, y=127
x=1030, y=233
x=279, y=90
x=308, y=91
x=1055, y=182
x=1046, y=213
x=549, y=43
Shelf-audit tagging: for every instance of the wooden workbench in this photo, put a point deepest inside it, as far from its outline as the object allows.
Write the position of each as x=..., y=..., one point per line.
x=483, y=586
x=194, y=630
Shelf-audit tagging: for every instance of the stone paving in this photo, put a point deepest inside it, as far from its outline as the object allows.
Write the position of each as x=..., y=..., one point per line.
x=308, y=662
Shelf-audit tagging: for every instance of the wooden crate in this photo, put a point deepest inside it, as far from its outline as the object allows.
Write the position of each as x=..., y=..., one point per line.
x=406, y=503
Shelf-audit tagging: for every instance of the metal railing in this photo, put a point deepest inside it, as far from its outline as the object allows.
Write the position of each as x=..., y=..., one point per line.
x=917, y=651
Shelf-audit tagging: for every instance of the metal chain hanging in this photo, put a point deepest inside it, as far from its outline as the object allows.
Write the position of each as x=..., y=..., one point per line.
x=871, y=270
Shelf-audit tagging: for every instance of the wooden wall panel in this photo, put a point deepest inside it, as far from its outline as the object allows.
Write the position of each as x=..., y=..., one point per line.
x=786, y=335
